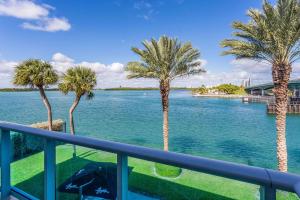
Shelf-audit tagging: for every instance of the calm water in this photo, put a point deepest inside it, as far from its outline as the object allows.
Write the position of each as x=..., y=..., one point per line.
x=215, y=128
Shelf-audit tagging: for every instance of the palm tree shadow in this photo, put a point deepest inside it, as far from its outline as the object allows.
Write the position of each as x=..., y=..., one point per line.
x=87, y=153
x=241, y=150
x=138, y=182
x=178, y=144
x=167, y=189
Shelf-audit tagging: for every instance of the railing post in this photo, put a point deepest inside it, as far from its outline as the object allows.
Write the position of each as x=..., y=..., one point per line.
x=122, y=180
x=267, y=193
x=5, y=163
x=49, y=168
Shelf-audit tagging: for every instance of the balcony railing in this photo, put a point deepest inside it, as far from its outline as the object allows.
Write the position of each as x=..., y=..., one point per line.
x=268, y=179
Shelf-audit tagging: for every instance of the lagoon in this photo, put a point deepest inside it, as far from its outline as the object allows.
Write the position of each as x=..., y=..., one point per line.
x=217, y=128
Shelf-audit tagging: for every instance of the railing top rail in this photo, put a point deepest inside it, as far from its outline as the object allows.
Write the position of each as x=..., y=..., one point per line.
x=256, y=175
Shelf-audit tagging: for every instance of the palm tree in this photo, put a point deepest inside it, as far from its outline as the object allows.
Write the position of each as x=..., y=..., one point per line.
x=272, y=36
x=80, y=80
x=165, y=60
x=37, y=74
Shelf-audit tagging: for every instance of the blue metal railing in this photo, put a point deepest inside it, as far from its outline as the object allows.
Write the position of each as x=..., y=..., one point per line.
x=269, y=180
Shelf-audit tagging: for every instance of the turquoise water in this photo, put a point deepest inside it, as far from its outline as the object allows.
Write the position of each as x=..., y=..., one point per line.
x=216, y=128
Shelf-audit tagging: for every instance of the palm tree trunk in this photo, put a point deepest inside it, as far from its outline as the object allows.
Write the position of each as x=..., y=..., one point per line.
x=281, y=75
x=164, y=91
x=47, y=105
x=74, y=105
x=72, y=128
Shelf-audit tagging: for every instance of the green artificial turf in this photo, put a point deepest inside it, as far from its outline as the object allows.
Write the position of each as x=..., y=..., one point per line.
x=167, y=170
x=27, y=174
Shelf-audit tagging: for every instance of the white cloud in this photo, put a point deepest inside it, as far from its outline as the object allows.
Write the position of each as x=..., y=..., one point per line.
x=251, y=66
x=96, y=66
x=6, y=71
x=23, y=9
x=116, y=67
x=61, y=62
x=203, y=62
x=259, y=72
x=61, y=58
x=113, y=75
x=37, y=16
x=48, y=25
x=7, y=67
x=241, y=70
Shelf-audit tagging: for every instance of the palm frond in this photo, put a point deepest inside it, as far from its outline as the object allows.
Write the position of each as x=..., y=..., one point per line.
x=164, y=59
x=80, y=80
x=35, y=73
x=271, y=35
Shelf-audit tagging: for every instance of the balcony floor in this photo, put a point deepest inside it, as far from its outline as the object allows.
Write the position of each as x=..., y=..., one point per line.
x=190, y=185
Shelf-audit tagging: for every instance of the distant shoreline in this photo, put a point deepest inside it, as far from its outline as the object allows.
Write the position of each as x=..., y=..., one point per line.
x=227, y=96
x=120, y=89
x=106, y=89
x=23, y=89
x=147, y=88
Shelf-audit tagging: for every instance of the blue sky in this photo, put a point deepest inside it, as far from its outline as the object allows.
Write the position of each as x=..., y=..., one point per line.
x=101, y=33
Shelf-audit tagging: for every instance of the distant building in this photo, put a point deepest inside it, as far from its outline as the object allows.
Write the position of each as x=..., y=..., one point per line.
x=246, y=83
x=249, y=82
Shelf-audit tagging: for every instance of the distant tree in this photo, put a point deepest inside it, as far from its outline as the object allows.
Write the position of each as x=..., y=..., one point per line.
x=228, y=88
x=272, y=35
x=200, y=90
x=37, y=74
x=165, y=60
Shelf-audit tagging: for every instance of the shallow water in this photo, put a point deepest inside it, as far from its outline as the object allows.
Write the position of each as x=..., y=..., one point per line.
x=224, y=129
